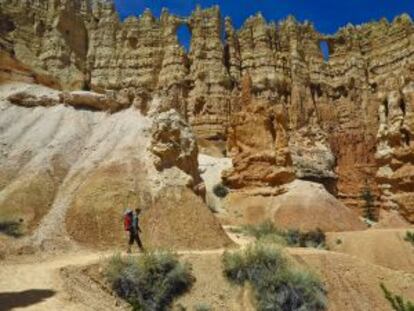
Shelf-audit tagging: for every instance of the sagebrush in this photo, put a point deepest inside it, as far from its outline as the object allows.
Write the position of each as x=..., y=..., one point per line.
x=267, y=231
x=150, y=281
x=277, y=285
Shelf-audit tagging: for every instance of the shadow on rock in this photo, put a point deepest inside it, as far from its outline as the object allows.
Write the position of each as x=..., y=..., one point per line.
x=11, y=300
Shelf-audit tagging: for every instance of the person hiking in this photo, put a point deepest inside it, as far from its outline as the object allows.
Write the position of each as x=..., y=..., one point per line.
x=131, y=225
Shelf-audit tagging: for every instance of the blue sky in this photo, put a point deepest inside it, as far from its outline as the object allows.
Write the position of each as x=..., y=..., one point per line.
x=327, y=15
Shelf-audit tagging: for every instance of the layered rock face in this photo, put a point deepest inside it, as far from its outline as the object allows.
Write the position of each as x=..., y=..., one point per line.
x=50, y=37
x=330, y=106
x=258, y=144
x=395, y=149
x=68, y=170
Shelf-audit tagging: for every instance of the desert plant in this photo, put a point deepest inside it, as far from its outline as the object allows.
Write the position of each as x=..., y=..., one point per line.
x=396, y=301
x=220, y=191
x=150, y=281
x=202, y=307
x=11, y=228
x=276, y=284
x=267, y=231
x=368, y=207
x=409, y=237
x=261, y=230
x=313, y=238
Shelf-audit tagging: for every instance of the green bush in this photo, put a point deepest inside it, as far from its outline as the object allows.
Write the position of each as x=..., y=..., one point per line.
x=150, y=281
x=276, y=284
x=220, y=191
x=268, y=232
x=409, y=237
x=397, y=302
x=262, y=230
x=11, y=228
x=202, y=307
x=314, y=238
x=368, y=207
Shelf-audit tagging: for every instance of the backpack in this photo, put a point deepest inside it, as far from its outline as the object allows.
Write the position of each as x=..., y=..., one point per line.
x=128, y=222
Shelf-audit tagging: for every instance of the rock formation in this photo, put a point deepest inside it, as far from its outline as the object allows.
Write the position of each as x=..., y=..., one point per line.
x=258, y=144
x=330, y=106
x=395, y=149
x=174, y=144
x=312, y=156
x=70, y=171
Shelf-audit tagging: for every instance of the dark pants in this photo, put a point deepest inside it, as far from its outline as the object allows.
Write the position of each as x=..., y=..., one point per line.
x=134, y=236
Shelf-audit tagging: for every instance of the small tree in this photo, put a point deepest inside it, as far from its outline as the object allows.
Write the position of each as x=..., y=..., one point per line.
x=368, y=207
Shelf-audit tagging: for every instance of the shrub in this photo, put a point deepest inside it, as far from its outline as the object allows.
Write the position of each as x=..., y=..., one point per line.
x=150, y=281
x=397, y=302
x=262, y=230
x=202, y=307
x=11, y=228
x=268, y=232
x=409, y=237
x=313, y=238
x=220, y=191
x=368, y=207
x=276, y=284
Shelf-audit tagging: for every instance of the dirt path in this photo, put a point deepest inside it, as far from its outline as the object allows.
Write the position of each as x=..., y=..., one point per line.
x=59, y=283
x=37, y=285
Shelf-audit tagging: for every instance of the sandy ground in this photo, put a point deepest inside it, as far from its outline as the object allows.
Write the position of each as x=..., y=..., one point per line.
x=385, y=247
x=38, y=286
x=63, y=283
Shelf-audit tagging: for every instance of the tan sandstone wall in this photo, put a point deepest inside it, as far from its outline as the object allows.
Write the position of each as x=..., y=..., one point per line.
x=331, y=107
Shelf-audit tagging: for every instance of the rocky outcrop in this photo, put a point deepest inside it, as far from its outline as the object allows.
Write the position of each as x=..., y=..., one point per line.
x=70, y=173
x=330, y=105
x=395, y=149
x=49, y=37
x=37, y=96
x=312, y=156
x=210, y=94
x=258, y=145
x=173, y=144
x=94, y=101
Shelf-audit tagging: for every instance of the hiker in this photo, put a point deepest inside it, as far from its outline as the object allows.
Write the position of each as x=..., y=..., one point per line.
x=131, y=224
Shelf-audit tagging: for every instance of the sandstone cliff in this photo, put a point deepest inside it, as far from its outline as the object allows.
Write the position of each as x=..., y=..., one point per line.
x=70, y=170
x=330, y=106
